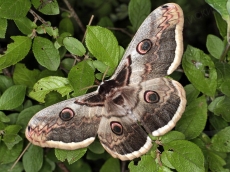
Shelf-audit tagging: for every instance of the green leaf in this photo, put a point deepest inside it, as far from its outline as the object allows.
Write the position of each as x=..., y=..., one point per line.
x=71, y=155
x=164, y=169
x=26, y=115
x=67, y=63
x=221, y=141
x=191, y=93
x=33, y=158
x=3, y=27
x=48, y=165
x=15, y=51
x=221, y=24
x=227, y=161
x=220, y=7
x=3, y=117
x=66, y=25
x=2, y=126
x=46, y=73
x=46, y=6
x=172, y=135
x=11, y=140
x=96, y=147
x=8, y=156
x=17, y=168
x=93, y=157
x=225, y=87
x=62, y=36
x=25, y=25
x=80, y=77
x=223, y=71
x=24, y=76
x=79, y=166
x=12, y=9
x=45, y=53
x=200, y=70
x=215, y=162
x=202, y=141
x=105, y=22
x=221, y=106
x=52, y=98
x=111, y=165
x=138, y=10
x=184, y=156
x=194, y=118
x=52, y=31
x=12, y=129
x=103, y=45
x=74, y=46
x=147, y=164
x=165, y=161
x=5, y=82
x=12, y=97
x=13, y=118
x=48, y=84
x=217, y=122
x=100, y=66
x=228, y=6
x=215, y=46
x=46, y=29
x=121, y=52
x=223, y=76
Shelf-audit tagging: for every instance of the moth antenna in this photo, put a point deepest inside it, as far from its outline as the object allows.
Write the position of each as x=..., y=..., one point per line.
x=20, y=156
x=90, y=21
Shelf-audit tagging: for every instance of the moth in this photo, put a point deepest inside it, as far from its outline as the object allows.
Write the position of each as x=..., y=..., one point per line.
x=137, y=101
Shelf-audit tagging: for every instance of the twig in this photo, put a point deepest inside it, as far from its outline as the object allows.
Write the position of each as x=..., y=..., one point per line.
x=6, y=72
x=76, y=59
x=62, y=166
x=63, y=9
x=90, y=21
x=122, y=30
x=159, y=157
x=37, y=17
x=123, y=166
x=75, y=16
x=20, y=156
x=223, y=55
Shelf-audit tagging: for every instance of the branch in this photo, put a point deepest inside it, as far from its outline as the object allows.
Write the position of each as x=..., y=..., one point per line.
x=75, y=16
x=122, y=30
x=37, y=17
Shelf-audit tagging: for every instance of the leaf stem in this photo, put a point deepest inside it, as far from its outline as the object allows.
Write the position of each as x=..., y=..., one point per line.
x=223, y=55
